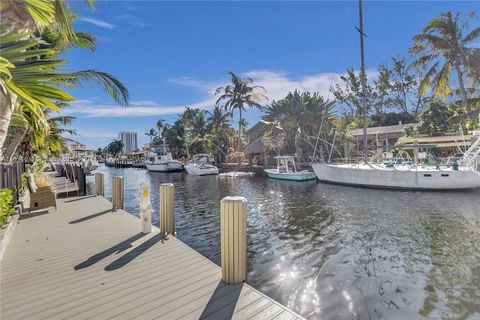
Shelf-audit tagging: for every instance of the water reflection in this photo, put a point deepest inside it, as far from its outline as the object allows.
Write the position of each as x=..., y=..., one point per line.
x=334, y=252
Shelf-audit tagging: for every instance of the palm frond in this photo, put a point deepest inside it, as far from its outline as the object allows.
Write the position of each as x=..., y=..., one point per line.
x=114, y=87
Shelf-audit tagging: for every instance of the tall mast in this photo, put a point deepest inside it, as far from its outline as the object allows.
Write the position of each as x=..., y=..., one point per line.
x=363, y=80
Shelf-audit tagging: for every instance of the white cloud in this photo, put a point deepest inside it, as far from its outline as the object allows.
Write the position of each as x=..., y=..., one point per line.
x=205, y=86
x=98, y=23
x=277, y=84
x=91, y=109
x=132, y=20
x=95, y=134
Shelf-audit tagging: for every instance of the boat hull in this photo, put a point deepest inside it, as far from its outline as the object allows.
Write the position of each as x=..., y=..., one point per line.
x=392, y=178
x=194, y=170
x=292, y=176
x=164, y=167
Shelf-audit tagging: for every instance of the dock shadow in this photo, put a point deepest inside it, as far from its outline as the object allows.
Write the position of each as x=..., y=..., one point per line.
x=92, y=216
x=223, y=301
x=79, y=199
x=120, y=247
x=135, y=252
x=34, y=214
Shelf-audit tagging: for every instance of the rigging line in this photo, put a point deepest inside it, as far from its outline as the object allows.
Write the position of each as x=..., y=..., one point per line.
x=342, y=39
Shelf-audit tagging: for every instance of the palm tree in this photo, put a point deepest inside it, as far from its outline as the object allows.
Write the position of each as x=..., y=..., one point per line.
x=29, y=76
x=37, y=15
x=238, y=95
x=152, y=134
x=218, y=122
x=299, y=114
x=161, y=126
x=442, y=48
x=115, y=147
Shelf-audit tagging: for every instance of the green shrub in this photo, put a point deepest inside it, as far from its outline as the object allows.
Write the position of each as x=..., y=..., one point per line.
x=6, y=208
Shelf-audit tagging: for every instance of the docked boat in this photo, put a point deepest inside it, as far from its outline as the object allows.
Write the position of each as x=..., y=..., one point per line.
x=461, y=174
x=89, y=164
x=201, y=165
x=160, y=160
x=287, y=170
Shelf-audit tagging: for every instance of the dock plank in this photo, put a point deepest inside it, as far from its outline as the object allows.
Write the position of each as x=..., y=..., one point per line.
x=84, y=261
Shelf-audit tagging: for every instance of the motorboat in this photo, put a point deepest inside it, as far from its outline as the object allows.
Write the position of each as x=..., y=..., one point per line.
x=159, y=159
x=287, y=170
x=461, y=174
x=201, y=165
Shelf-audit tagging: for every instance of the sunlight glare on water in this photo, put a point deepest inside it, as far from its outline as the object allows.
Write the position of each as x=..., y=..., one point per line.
x=335, y=252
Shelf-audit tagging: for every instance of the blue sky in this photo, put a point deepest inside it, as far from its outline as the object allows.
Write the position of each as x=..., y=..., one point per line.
x=172, y=55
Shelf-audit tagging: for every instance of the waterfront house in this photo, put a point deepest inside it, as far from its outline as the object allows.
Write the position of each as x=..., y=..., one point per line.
x=385, y=136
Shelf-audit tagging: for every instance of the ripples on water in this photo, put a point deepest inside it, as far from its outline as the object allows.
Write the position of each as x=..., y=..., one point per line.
x=335, y=252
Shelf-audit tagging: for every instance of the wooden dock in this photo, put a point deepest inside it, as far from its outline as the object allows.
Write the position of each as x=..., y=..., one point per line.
x=86, y=262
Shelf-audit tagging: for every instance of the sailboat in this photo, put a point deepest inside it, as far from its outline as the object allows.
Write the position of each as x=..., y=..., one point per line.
x=462, y=174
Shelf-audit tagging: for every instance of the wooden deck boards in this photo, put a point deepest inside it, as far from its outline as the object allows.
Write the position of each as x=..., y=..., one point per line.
x=86, y=262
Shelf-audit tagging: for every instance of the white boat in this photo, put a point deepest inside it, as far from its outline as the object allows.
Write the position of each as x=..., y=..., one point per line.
x=460, y=175
x=201, y=165
x=161, y=160
x=287, y=170
x=89, y=164
x=236, y=174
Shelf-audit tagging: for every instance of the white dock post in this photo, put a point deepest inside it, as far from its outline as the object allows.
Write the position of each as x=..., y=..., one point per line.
x=233, y=239
x=99, y=185
x=167, y=216
x=145, y=208
x=117, y=193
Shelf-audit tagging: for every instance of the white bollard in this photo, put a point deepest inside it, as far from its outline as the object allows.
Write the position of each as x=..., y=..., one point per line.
x=117, y=193
x=99, y=185
x=145, y=208
x=233, y=239
x=167, y=216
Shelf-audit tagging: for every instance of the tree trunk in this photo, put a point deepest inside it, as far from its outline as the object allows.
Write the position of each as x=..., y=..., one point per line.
x=462, y=87
x=13, y=145
x=240, y=130
x=5, y=117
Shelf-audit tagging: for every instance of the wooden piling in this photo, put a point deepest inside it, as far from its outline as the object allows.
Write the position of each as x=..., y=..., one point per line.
x=167, y=216
x=99, y=184
x=117, y=192
x=233, y=239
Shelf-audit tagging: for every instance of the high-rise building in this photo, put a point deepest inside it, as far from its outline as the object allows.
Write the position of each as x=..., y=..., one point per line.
x=129, y=139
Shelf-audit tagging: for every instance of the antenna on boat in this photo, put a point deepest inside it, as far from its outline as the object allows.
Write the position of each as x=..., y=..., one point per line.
x=363, y=80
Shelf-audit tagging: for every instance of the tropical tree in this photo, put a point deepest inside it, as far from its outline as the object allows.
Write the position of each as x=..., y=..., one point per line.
x=115, y=147
x=300, y=116
x=442, y=48
x=27, y=77
x=161, y=126
x=33, y=33
x=151, y=134
x=218, y=123
x=238, y=95
x=349, y=94
x=199, y=129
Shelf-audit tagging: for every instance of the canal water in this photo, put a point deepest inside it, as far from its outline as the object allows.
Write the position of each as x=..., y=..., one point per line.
x=337, y=252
